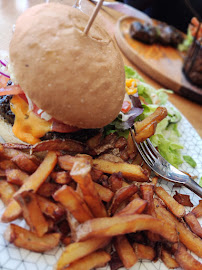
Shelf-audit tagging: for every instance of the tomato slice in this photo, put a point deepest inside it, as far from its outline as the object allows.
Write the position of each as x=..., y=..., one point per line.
x=11, y=90
x=62, y=128
x=126, y=106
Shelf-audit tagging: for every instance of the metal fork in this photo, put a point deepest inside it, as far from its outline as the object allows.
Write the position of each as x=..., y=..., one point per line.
x=163, y=168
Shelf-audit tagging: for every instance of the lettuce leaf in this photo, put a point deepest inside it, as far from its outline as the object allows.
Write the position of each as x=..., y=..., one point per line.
x=132, y=74
x=190, y=161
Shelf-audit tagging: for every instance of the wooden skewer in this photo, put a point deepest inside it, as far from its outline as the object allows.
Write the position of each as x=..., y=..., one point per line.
x=92, y=18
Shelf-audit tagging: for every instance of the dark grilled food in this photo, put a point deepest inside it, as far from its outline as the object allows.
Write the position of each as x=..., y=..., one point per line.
x=164, y=34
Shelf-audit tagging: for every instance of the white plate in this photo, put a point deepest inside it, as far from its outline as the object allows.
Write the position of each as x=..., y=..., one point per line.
x=21, y=259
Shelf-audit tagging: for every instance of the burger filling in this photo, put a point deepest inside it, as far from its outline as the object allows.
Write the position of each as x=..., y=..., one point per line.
x=31, y=124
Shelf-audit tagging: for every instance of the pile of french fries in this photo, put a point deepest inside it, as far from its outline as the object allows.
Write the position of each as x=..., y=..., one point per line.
x=96, y=205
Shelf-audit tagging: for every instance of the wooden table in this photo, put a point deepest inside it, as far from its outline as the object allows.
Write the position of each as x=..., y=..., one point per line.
x=10, y=10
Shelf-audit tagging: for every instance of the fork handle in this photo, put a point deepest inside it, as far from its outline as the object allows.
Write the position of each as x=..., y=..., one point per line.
x=193, y=186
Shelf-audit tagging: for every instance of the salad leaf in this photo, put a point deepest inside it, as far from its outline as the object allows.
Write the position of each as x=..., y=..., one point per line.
x=200, y=182
x=184, y=46
x=190, y=161
x=132, y=74
x=151, y=95
x=124, y=122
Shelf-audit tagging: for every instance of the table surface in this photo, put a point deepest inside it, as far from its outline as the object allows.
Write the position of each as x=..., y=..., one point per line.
x=10, y=10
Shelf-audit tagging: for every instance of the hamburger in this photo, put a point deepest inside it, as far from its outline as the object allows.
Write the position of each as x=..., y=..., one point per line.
x=63, y=83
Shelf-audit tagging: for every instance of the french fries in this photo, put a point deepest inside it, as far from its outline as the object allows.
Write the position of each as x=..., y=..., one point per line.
x=186, y=260
x=80, y=172
x=105, y=193
x=92, y=208
x=76, y=251
x=51, y=209
x=55, y=145
x=25, y=163
x=125, y=251
x=62, y=177
x=111, y=226
x=130, y=171
x=16, y=176
x=32, y=212
x=136, y=206
x=168, y=260
x=147, y=132
x=96, y=259
x=23, y=238
x=190, y=240
x=198, y=210
x=71, y=200
x=159, y=114
x=193, y=223
x=177, y=209
x=121, y=195
x=7, y=191
x=144, y=252
x=13, y=209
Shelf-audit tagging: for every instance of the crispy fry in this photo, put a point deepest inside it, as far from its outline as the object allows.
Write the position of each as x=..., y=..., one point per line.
x=159, y=114
x=198, y=210
x=55, y=145
x=186, y=260
x=7, y=164
x=136, y=206
x=177, y=209
x=23, y=238
x=51, y=209
x=147, y=191
x=144, y=252
x=193, y=223
x=147, y=194
x=7, y=191
x=105, y=193
x=96, y=174
x=155, y=180
x=125, y=251
x=66, y=162
x=168, y=260
x=94, y=141
x=67, y=240
x=121, y=195
x=132, y=149
x=111, y=226
x=16, y=176
x=190, y=240
x=146, y=133
x=75, y=251
x=71, y=200
x=80, y=173
x=34, y=181
x=62, y=177
x=47, y=189
x=130, y=171
x=116, y=181
x=32, y=212
x=25, y=163
x=183, y=199
x=96, y=259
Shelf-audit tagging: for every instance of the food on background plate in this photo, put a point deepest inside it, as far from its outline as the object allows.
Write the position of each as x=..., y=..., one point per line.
x=160, y=32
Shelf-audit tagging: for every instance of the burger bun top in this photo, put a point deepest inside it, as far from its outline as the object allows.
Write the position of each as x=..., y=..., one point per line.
x=78, y=79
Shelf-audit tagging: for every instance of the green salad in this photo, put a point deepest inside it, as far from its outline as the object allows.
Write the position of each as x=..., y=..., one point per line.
x=166, y=137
